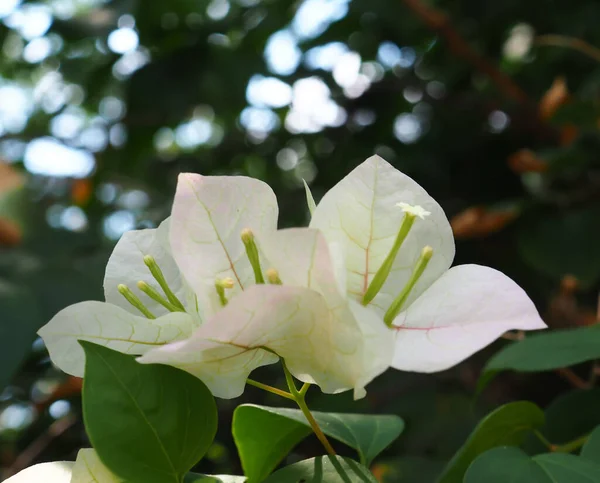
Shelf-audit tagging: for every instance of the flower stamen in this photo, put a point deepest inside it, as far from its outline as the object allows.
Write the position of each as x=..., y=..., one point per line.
x=399, y=301
x=162, y=282
x=273, y=277
x=252, y=253
x=220, y=285
x=154, y=295
x=132, y=298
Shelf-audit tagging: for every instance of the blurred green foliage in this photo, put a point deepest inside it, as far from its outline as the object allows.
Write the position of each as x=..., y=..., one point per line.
x=464, y=96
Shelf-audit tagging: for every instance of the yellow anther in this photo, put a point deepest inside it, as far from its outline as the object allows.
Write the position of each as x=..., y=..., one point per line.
x=273, y=277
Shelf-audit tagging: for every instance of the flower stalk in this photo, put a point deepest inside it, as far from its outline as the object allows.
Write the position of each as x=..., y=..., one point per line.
x=386, y=267
x=300, y=398
x=399, y=301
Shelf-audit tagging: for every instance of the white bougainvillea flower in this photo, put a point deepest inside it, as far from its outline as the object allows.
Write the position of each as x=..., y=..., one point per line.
x=87, y=468
x=200, y=280
x=149, y=301
x=398, y=248
x=306, y=321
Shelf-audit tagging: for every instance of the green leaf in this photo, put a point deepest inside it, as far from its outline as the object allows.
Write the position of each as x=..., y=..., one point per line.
x=264, y=435
x=568, y=468
x=507, y=425
x=545, y=352
x=263, y=439
x=20, y=319
x=572, y=415
x=501, y=465
x=324, y=469
x=148, y=423
x=591, y=449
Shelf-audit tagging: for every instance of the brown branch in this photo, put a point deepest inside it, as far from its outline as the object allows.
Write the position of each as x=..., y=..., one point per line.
x=569, y=43
x=573, y=378
x=37, y=447
x=439, y=22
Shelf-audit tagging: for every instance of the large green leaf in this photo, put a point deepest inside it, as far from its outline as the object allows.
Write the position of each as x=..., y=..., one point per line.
x=324, y=469
x=591, y=448
x=264, y=435
x=19, y=320
x=546, y=351
x=506, y=426
x=504, y=464
x=148, y=423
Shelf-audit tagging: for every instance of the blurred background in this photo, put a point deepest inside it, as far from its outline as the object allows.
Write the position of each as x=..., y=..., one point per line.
x=492, y=106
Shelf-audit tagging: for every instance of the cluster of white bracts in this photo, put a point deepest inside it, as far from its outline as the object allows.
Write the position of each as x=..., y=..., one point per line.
x=315, y=319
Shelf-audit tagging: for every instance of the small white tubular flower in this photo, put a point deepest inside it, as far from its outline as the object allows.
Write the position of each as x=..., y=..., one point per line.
x=86, y=468
x=415, y=210
x=439, y=316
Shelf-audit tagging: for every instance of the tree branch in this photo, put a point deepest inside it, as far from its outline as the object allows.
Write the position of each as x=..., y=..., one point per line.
x=439, y=22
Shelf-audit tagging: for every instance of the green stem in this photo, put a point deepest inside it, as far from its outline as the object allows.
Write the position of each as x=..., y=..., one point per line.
x=562, y=448
x=271, y=389
x=299, y=397
x=571, y=445
x=304, y=388
x=543, y=440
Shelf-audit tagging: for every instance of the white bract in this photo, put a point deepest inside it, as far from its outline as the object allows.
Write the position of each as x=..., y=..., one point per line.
x=398, y=248
x=86, y=468
x=306, y=320
x=117, y=324
x=186, y=294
